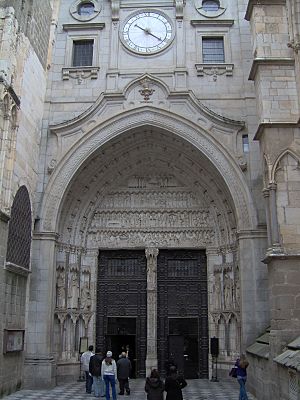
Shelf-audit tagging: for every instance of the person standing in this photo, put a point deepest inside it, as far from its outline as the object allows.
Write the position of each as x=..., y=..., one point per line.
x=242, y=365
x=85, y=361
x=109, y=374
x=154, y=386
x=173, y=385
x=95, y=371
x=123, y=372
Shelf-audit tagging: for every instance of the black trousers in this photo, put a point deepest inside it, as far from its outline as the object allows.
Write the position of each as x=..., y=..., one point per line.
x=124, y=384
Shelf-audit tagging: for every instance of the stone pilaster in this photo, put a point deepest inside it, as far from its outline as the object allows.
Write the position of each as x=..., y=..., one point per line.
x=274, y=219
x=151, y=359
x=39, y=367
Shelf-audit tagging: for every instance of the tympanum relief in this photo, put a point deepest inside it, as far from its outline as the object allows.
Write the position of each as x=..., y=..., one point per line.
x=154, y=210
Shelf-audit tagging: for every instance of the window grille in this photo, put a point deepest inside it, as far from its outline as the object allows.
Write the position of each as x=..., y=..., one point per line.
x=213, y=50
x=245, y=140
x=19, y=230
x=83, y=53
x=86, y=8
x=210, y=5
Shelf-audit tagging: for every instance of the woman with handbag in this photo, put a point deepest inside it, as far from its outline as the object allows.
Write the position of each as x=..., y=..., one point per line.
x=242, y=365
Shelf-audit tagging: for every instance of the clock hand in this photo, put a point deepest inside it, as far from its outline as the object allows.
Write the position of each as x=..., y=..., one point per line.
x=147, y=31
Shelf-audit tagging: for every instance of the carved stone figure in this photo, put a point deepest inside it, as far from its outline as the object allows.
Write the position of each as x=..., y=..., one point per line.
x=85, y=298
x=217, y=292
x=60, y=290
x=73, y=292
x=228, y=291
x=237, y=293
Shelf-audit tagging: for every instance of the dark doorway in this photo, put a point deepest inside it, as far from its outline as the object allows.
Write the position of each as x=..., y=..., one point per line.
x=119, y=342
x=183, y=345
x=183, y=311
x=121, y=305
x=122, y=338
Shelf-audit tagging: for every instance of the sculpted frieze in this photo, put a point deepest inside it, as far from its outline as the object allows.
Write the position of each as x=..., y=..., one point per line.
x=152, y=198
x=150, y=219
x=114, y=238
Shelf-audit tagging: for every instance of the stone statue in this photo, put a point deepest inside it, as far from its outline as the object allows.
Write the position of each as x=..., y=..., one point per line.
x=60, y=290
x=228, y=291
x=237, y=293
x=85, y=298
x=217, y=292
x=73, y=292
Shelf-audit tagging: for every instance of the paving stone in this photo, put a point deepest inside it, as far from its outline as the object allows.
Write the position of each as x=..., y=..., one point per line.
x=197, y=389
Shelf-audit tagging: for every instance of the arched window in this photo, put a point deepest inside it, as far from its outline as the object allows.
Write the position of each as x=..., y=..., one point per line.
x=19, y=230
x=210, y=5
x=86, y=8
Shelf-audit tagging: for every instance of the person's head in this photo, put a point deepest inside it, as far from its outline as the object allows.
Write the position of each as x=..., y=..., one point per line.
x=123, y=354
x=154, y=374
x=91, y=348
x=99, y=352
x=173, y=369
x=109, y=354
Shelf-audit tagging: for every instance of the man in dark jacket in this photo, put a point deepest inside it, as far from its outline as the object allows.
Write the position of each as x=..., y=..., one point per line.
x=123, y=372
x=95, y=371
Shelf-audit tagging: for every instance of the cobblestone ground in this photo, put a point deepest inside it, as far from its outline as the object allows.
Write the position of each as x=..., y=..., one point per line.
x=197, y=389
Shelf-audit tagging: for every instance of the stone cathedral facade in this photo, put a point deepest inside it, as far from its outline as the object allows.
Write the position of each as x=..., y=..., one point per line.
x=150, y=187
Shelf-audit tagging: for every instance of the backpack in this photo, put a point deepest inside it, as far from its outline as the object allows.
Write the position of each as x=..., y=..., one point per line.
x=95, y=366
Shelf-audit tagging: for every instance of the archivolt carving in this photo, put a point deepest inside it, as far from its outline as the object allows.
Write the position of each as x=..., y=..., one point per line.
x=67, y=168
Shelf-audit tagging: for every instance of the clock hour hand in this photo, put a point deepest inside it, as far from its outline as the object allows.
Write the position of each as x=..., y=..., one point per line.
x=147, y=31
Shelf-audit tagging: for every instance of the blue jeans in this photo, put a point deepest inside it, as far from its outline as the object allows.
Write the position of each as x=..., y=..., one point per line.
x=88, y=382
x=110, y=379
x=98, y=386
x=242, y=382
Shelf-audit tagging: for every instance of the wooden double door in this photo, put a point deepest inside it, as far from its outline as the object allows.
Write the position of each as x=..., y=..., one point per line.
x=182, y=320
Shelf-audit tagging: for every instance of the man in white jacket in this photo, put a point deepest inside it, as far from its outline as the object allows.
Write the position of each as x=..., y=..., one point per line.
x=85, y=361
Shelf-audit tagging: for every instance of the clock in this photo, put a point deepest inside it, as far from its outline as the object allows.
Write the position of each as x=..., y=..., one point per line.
x=147, y=32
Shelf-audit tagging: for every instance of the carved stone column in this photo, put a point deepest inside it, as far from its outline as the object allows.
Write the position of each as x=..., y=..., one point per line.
x=274, y=220
x=266, y=194
x=151, y=359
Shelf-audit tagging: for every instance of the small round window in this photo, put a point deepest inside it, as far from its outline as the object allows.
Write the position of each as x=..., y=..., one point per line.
x=86, y=8
x=210, y=5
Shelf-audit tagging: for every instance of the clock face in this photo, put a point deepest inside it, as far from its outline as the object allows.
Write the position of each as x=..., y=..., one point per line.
x=147, y=32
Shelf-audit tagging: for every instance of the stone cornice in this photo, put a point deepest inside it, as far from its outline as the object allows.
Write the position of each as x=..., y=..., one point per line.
x=215, y=22
x=4, y=217
x=120, y=97
x=274, y=256
x=252, y=234
x=268, y=61
x=83, y=26
x=275, y=124
x=253, y=3
x=16, y=269
x=45, y=236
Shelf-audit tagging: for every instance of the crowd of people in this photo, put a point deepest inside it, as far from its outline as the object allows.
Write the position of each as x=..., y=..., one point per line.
x=102, y=373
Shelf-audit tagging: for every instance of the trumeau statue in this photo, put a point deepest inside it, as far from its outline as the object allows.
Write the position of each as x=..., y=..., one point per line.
x=85, y=298
x=228, y=291
x=60, y=290
x=73, y=292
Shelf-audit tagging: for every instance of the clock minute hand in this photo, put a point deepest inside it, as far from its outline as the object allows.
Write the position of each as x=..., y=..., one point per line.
x=147, y=32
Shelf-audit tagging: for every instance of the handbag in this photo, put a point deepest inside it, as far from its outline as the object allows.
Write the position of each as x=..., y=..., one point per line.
x=233, y=372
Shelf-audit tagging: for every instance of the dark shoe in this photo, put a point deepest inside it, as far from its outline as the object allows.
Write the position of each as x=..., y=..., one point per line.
x=121, y=394
x=128, y=392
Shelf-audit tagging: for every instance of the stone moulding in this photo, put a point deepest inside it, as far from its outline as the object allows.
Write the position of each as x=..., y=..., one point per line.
x=16, y=269
x=80, y=73
x=102, y=132
x=260, y=3
x=268, y=61
x=214, y=70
